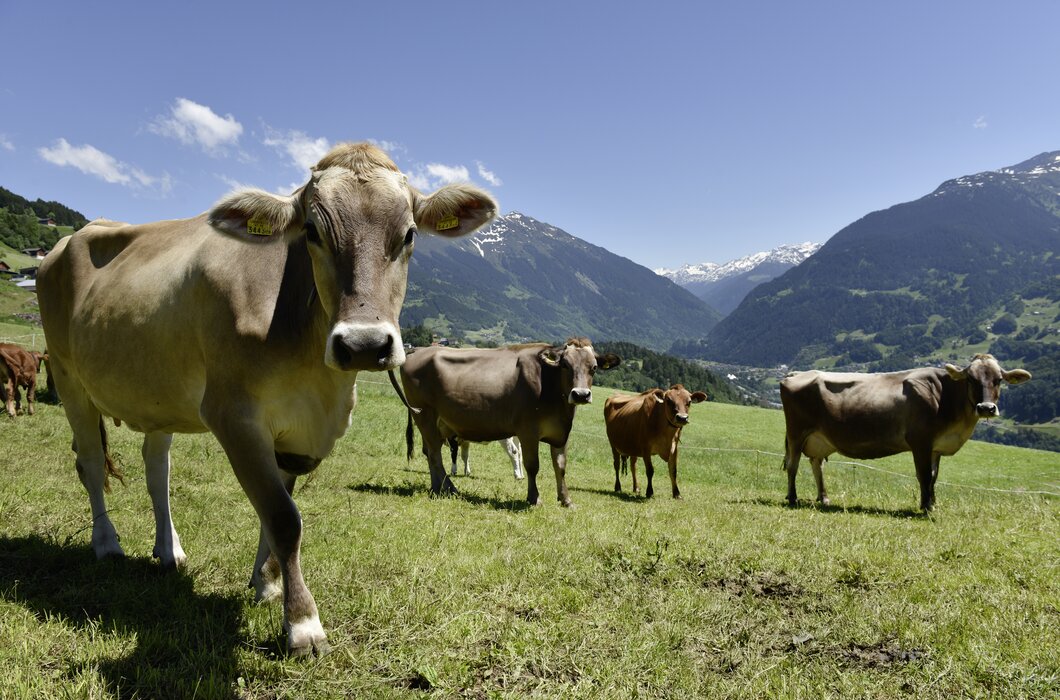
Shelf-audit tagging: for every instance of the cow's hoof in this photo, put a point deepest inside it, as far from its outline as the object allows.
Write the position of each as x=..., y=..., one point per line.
x=792, y=502
x=534, y=501
x=825, y=501
x=678, y=497
x=306, y=639
x=568, y=504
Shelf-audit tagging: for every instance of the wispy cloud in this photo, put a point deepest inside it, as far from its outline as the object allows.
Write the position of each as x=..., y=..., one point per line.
x=434, y=175
x=303, y=150
x=6, y=143
x=488, y=175
x=980, y=122
x=92, y=161
x=391, y=147
x=192, y=123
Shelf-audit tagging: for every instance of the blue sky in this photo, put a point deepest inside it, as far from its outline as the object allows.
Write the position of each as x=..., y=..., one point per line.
x=668, y=133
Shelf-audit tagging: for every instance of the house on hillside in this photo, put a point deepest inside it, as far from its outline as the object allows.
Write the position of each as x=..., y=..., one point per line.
x=37, y=253
x=47, y=222
x=5, y=269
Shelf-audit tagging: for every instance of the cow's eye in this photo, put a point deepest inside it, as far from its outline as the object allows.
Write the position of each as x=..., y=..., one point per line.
x=592, y=370
x=311, y=233
x=410, y=236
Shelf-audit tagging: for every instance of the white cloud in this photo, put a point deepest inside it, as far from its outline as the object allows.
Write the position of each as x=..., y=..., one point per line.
x=5, y=143
x=391, y=147
x=434, y=175
x=303, y=150
x=980, y=123
x=92, y=161
x=190, y=122
x=488, y=175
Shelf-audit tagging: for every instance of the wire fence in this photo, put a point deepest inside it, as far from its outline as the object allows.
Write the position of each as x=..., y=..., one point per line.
x=32, y=341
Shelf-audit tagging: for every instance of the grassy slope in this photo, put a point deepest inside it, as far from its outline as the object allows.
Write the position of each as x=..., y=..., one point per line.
x=725, y=594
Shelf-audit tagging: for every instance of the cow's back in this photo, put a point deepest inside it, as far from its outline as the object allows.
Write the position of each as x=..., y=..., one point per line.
x=134, y=313
x=628, y=423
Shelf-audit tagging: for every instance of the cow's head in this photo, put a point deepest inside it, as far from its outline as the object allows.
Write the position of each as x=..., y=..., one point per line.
x=983, y=378
x=359, y=217
x=577, y=362
x=676, y=401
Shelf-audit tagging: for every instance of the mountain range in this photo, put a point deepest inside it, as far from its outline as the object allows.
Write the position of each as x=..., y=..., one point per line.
x=724, y=286
x=521, y=278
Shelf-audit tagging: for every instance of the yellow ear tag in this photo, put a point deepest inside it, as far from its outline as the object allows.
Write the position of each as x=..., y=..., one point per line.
x=259, y=227
x=447, y=223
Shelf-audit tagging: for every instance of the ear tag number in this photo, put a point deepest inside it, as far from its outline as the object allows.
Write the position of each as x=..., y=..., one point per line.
x=447, y=223
x=259, y=227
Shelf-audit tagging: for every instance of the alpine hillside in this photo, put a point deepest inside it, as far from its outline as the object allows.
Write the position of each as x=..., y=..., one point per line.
x=723, y=287
x=972, y=267
x=523, y=279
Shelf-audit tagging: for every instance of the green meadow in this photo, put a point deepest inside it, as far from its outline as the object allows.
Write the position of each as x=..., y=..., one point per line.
x=727, y=593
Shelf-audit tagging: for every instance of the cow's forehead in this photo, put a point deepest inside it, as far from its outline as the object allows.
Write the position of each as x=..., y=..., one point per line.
x=584, y=353
x=383, y=191
x=985, y=367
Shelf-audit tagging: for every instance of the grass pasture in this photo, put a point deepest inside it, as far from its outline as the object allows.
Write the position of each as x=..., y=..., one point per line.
x=727, y=593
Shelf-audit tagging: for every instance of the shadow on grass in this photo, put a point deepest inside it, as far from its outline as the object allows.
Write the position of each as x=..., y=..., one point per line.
x=408, y=489
x=620, y=495
x=901, y=513
x=185, y=642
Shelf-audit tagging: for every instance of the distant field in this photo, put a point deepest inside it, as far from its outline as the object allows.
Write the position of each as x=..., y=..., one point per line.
x=728, y=593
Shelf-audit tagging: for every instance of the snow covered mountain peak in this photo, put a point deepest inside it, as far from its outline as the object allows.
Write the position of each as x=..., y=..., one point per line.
x=791, y=254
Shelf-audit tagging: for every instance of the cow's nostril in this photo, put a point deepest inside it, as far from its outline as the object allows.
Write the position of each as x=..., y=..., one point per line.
x=340, y=351
x=385, y=349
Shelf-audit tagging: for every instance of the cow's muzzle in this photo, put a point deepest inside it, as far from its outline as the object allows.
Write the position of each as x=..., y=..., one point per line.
x=580, y=396
x=681, y=418
x=987, y=410
x=363, y=346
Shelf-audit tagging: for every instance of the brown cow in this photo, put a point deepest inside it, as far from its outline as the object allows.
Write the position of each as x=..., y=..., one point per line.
x=930, y=412
x=529, y=391
x=19, y=368
x=207, y=323
x=648, y=424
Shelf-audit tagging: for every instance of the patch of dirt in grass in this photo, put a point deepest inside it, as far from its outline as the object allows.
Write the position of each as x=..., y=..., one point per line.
x=763, y=584
x=879, y=655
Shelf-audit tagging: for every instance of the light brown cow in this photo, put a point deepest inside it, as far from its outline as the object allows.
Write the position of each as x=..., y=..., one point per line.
x=19, y=368
x=930, y=412
x=648, y=424
x=250, y=321
x=529, y=391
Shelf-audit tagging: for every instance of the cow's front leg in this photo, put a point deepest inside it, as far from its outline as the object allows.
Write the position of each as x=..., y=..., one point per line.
x=616, y=458
x=250, y=450
x=792, y=455
x=935, y=459
x=923, y=461
x=155, y=452
x=266, y=578
x=31, y=396
x=532, y=462
x=9, y=397
x=559, y=465
x=649, y=469
x=633, y=474
x=818, y=476
x=671, y=465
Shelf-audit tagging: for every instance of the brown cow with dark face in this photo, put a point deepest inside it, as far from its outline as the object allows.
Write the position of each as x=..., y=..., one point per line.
x=930, y=412
x=19, y=368
x=648, y=424
x=529, y=391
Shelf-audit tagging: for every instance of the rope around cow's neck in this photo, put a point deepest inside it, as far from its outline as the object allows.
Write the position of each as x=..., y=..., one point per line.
x=400, y=393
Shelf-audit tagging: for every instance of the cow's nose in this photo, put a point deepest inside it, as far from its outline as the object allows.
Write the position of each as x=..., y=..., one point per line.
x=579, y=396
x=682, y=418
x=987, y=410
x=354, y=346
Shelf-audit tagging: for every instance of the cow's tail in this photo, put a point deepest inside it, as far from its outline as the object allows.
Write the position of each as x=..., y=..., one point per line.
x=110, y=469
x=408, y=437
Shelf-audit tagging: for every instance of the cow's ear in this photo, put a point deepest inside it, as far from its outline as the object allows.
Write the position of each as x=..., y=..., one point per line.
x=454, y=210
x=259, y=216
x=549, y=356
x=1015, y=376
x=699, y=397
x=608, y=361
x=659, y=395
x=956, y=373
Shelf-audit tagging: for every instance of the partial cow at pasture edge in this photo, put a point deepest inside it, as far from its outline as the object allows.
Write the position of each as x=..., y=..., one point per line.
x=19, y=368
x=250, y=321
x=930, y=412
x=648, y=424
x=529, y=391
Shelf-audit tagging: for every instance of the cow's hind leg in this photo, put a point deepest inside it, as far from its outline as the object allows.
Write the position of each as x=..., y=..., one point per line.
x=633, y=474
x=266, y=578
x=926, y=464
x=818, y=476
x=465, y=448
x=156, y=459
x=515, y=454
x=616, y=458
x=454, y=445
x=532, y=462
